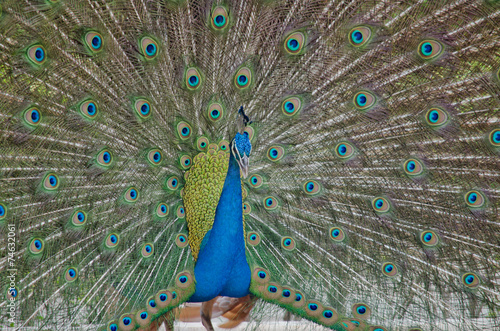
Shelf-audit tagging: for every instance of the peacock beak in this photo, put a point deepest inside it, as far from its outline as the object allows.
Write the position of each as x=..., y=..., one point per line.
x=243, y=163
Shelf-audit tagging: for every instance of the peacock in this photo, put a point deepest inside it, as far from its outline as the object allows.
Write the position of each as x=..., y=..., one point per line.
x=337, y=160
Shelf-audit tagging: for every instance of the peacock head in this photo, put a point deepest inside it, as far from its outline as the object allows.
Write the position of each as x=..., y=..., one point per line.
x=241, y=146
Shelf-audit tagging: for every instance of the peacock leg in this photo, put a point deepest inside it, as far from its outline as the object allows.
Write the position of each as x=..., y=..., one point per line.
x=206, y=314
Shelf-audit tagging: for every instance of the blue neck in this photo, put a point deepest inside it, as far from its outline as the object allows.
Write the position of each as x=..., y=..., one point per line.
x=221, y=268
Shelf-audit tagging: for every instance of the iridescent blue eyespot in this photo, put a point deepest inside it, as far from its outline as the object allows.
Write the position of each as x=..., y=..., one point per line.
x=253, y=237
x=289, y=107
x=286, y=293
x=193, y=80
x=262, y=274
x=429, y=238
x=96, y=42
x=151, y=49
x=2, y=211
x=293, y=44
x=220, y=18
x=183, y=279
x=328, y=314
x=426, y=49
x=272, y=289
x=429, y=49
x=152, y=303
x=357, y=36
x=312, y=306
x=495, y=137
x=113, y=327
x=127, y=321
x=361, y=310
x=39, y=54
x=361, y=99
x=298, y=297
x=144, y=315
x=470, y=280
x=163, y=297
x=35, y=116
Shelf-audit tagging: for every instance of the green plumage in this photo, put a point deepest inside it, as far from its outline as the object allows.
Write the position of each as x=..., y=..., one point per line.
x=374, y=174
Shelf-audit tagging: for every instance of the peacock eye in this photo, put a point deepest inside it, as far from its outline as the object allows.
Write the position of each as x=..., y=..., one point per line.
x=185, y=161
x=79, y=218
x=337, y=234
x=202, y=143
x=36, y=54
x=93, y=41
x=253, y=238
x=89, y=109
x=470, y=280
x=184, y=130
x=149, y=48
x=294, y=43
x=291, y=106
x=142, y=108
x=344, y=150
x=36, y=246
x=147, y=250
x=71, y=274
x=155, y=156
x=3, y=211
x=364, y=100
x=430, y=49
x=255, y=181
x=413, y=167
x=51, y=182
x=361, y=311
x=104, y=158
x=181, y=213
x=261, y=275
x=161, y=210
x=288, y=243
x=381, y=205
x=275, y=153
x=436, y=117
x=311, y=187
x=173, y=183
x=113, y=327
x=112, y=240
x=184, y=279
x=215, y=112
x=474, y=199
x=494, y=137
x=429, y=238
x=220, y=18
x=193, y=78
x=181, y=240
x=224, y=145
x=270, y=203
x=359, y=36
x=243, y=78
x=32, y=116
x=131, y=195
x=389, y=269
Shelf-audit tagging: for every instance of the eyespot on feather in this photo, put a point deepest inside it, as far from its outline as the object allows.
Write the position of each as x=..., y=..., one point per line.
x=243, y=78
x=291, y=106
x=413, y=167
x=3, y=211
x=494, y=137
x=181, y=212
x=288, y=243
x=344, y=150
x=147, y=250
x=470, y=280
x=162, y=210
x=390, y=269
x=184, y=130
x=112, y=240
x=181, y=240
x=381, y=205
x=436, y=117
x=361, y=311
x=94, y=41
x=163, y=298
x=184, y=280
x=247, y=209
x=255, y=181
x=71, y=274
x=32, y=116
x=275, y=153
x=142, y=108
x=143, y=318
x=311, y=187
x=186, y=162
x=202, y=143
x=294, y=43
x=79, y=218
x=359, y=36
x=149, y=48
x=193, y=78
x=155, y=156
x=104, y=158
x=329, y=316
x=126, y=322
x=429, y=238
x=364, y=100
x=173, y=183
x=270, y=203
x=261, y=276
x=337, y=234
x=36, y=246
x=51, y=182
x=36, y=54
x=89, y=109
x=219, y=18
x=131, y=195
x=313, y=308
x=215, y=112
x=299, y=300
x=474, y=199
x=430, y=49
x=253, y=238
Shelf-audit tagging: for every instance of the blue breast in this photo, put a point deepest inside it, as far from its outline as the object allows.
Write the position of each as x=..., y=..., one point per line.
x=222, y=268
